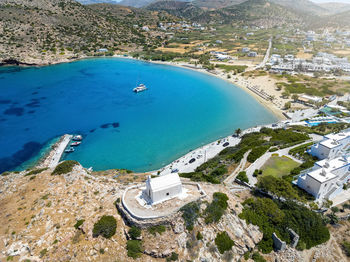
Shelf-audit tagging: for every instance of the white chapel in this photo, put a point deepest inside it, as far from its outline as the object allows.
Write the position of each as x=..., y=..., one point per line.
x=163, y=188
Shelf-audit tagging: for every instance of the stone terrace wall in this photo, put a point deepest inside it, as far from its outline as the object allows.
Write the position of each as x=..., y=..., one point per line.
x=144, y=222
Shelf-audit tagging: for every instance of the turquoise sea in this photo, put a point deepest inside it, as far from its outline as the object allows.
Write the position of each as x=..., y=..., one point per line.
x=182, y=110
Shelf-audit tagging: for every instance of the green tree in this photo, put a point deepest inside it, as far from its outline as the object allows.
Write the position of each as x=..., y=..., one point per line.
x=134, y=232
x=287, y=105
x=295, y=97
x=223, y=242
x=243, y=176
x=105, y=227
x=238, y=131
x=134, y=248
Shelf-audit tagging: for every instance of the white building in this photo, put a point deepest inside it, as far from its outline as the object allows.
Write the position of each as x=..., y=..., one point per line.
x=252, y=54
x=326, y=179
x=163, y=188
x=245, y=49
x=331, y=145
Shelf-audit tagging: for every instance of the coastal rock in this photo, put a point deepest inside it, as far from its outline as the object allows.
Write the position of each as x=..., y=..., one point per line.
x=181, y=240
x=178, y=226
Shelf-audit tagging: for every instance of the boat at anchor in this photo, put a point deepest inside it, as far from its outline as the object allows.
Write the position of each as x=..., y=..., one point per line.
x=140, y=88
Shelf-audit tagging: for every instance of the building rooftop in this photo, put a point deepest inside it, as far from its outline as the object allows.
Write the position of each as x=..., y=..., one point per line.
x=321, y=175
x=330, y=165
x=332, y=140
x=330, y=143
x=166, y=181
x=339, y=136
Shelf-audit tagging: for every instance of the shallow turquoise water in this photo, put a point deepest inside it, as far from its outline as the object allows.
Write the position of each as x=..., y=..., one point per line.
x=182, y=110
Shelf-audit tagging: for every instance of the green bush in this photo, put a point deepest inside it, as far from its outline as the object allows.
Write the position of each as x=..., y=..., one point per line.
x=346, y=248
x=134, y=232
x=223, y=242
x=218, y=172
x=257, y=257
x=35, y=171
x=243, y=177
x=273, y=149
x=157, y=229
x=277, y=186
x=79, y=223
x=134, y=248
x=43, y=252
x=199, y=236
x=256, y=153
x=200, y=176
x=190, y=213
x=273, y=216
x=6, y=173
x=65, y=167
x=335, y=209
x=105, y=227
x=174, y=257
x=216, y=208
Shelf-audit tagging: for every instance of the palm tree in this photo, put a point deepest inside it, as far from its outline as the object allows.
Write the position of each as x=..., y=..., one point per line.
x=238, y=132
x=295, y=97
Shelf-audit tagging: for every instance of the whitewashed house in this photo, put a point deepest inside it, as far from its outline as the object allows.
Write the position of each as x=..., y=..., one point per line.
x=331, y=145
x=163, y=188
x=326, y=179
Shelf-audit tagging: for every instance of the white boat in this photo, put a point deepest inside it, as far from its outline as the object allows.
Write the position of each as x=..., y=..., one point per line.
x=75, y=144
x=69, y=150
x=77, y=138
x=140, y=88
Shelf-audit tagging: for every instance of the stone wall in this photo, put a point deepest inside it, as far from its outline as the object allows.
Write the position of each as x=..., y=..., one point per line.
x=278, y=244
x=144, y=222
x=294, y=237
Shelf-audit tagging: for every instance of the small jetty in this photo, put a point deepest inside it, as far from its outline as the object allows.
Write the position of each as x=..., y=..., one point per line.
x=139, y=88
x=58, y=151
x=54, y=156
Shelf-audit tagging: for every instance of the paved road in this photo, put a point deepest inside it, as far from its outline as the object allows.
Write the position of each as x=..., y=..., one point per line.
x=229, y=180
x=267, y=55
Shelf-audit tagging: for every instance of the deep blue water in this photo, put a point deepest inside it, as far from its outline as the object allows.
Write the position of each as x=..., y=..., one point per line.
x=182, y=110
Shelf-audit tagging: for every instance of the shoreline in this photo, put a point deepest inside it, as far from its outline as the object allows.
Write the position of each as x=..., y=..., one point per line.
x=242, y=82
x=237, y=80
x=206, y=152
x=201, y=153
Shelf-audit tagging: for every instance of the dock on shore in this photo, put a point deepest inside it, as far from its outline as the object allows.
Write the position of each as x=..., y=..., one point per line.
x=54, y=157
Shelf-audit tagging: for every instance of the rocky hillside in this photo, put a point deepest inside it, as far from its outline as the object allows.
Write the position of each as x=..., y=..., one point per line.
x=337, y=21
x=177, y=8
x=39, y=215
x=216, y=4
x=251, y=12
x=135, y=3
x=131, y=15
x=89, y=2
x=47, y=217
x=49, y=30
x=334, y=8
x=303, y=6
